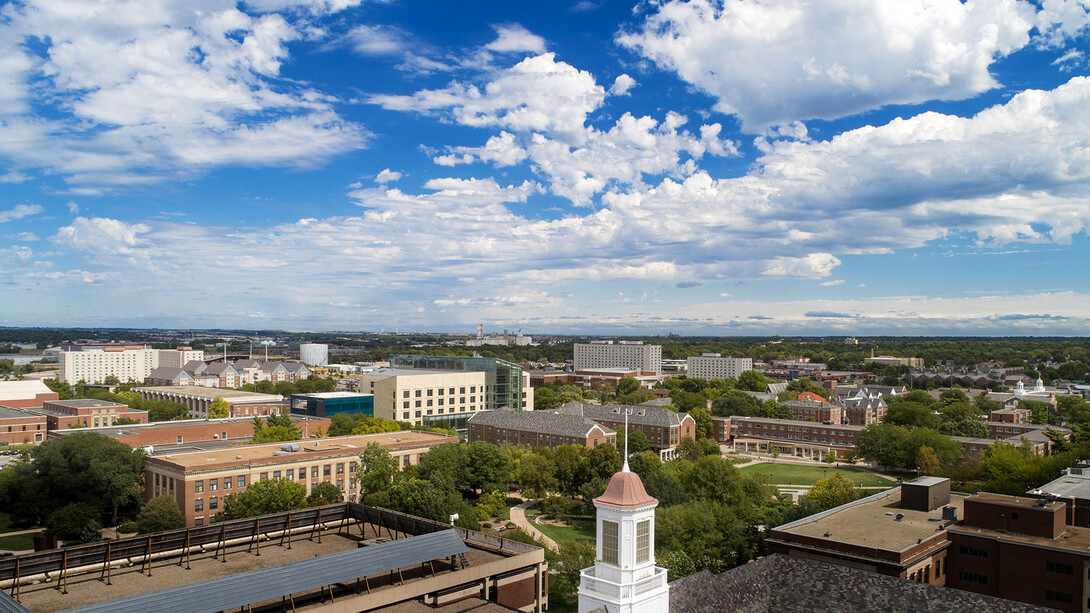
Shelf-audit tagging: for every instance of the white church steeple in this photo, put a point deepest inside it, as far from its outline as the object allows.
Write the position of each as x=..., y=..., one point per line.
x=624, y=577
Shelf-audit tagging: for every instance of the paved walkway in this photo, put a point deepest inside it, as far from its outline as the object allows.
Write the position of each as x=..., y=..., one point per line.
x=518, y=517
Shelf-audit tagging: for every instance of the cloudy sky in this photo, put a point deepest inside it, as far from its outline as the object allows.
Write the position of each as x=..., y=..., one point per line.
x=745, y=167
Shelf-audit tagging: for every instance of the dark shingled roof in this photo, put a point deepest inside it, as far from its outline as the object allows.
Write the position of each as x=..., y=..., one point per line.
x=781, y=583
x=542, y=422
x=641, y=414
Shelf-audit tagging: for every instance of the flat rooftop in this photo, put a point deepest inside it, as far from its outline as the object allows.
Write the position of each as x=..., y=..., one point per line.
x=1074, y=538
x=739, y=419
x=173, y=424
x=310, y=448
x=211, y=393
x=86, y=590
x=1069, y=485
x=87, y=403
x=1015, y=501
x=324, y=395
x=872, y=522
x=6, y=413
x=408, y=372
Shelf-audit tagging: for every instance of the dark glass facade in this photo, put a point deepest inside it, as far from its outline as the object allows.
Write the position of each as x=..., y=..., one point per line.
x=503, y=380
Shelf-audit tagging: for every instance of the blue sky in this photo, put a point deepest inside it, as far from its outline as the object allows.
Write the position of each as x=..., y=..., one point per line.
x=835, y=167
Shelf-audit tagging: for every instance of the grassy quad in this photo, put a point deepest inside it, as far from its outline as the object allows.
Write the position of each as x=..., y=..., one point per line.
x=796, y=474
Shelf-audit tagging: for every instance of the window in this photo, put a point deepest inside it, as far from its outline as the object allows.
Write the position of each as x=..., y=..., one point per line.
x=227, y=483
x=1059, y=567
x=451, y=392
x=179, y=439
x=974, y=551
x=971, y=578
x=276, y=474
x=461, y=390
x=242, y=480
x=198, y=505
x=289, y=474
x=213, y=485
x=430, y=392
x=264, y=476
x=405, y=404
x=326, y=470
x=429, y=404
x=643, y=541
x=352, y=467
x=213, y=503
x=313, y=472
x=1055, y=596
x=405, y=394
x=198, y=486
x=340, y=469
x=609, y=542
x=198, y=522
x=418, y=405
x=417, y=394
x=405, y=415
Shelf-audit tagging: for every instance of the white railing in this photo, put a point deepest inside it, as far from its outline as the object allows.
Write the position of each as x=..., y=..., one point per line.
x=616, y=591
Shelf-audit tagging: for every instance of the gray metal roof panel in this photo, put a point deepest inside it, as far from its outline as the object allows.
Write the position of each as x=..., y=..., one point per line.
x=10, y=605
x=268, y=583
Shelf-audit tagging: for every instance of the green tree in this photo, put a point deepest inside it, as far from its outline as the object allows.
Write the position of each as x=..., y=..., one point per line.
x=704, y=425
x=91, y=468
x=601, y=461
x=264, y=497
x=687, y=401
x=219, y=408
x=322, y=494
x=638, y=441
x=376, y=470
x=160, y=513
x=425, y=498
x=537, y=475
x=735, y=402
x=753, y=381
x=487, y=467
x=913, y=415
x=627, y=385
x=70, y=520
x=568, y=460
x=164, y=410
x=92, y=532
x=275, y=434
x=545, y=398
x=833, y=491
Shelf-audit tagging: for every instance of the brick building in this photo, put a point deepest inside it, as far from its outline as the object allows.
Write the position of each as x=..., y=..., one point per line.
x=199, y=480
x=1012, y=415
x=1019, y=548
x=804, y=439
x=807, y=409
x=538, y=429
x=664, y=428
x=88, y=413
x=19, y=426
x=160, y=433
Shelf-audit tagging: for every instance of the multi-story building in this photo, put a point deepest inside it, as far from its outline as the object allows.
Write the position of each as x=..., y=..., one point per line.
x=897, y=533
x=19, y=426
x=864, y=407
x=815, y=410
x=495, y=339
x=426, y=397
x=200, y=480
x=314, y=354
x=662, y=427
x=538, y=429
x=168, y=375
x=163, y=436
x=87, y=413
x=1011, y=416
x=328, y=404
x=715, y=366
x=95, y=363
x=506, y=384
x=1073, y=489
x=633, y=355
x=225, y=373
x=177, y=358
x=804, y=439
x=1019, y=548
x=198, y=399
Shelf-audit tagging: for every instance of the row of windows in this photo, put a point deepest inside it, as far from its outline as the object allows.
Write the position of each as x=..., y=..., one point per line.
x=439, y=391
x=979, y=552
x=438, y=402
x=405, y=414
x=1055, y=596
x=1059, y=567
x=971, y=578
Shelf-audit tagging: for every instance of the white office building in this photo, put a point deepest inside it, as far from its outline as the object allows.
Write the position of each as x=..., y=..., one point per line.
x=631, y=355
x=715, y=366
x=313, y=354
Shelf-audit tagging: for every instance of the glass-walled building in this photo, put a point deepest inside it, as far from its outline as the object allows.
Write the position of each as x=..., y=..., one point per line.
x=506, y=384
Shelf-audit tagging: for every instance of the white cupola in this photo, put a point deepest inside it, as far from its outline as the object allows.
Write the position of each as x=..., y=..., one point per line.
x=624, y=578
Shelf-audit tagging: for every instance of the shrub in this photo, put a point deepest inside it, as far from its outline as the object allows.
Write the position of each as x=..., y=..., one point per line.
x=129, y=528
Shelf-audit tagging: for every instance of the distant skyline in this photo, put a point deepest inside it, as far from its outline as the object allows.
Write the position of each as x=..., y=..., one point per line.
x=854, y=167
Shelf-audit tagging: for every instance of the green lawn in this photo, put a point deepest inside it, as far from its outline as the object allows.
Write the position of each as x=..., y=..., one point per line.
x=19, y=542
x=794, y=474
x=563, y=534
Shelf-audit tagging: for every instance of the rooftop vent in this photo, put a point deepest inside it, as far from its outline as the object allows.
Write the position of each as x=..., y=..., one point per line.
x=899, y=517
x=950, y=513
x=1042, y=503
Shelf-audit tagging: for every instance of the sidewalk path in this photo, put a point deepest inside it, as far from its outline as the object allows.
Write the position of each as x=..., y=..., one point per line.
x=518, y=517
